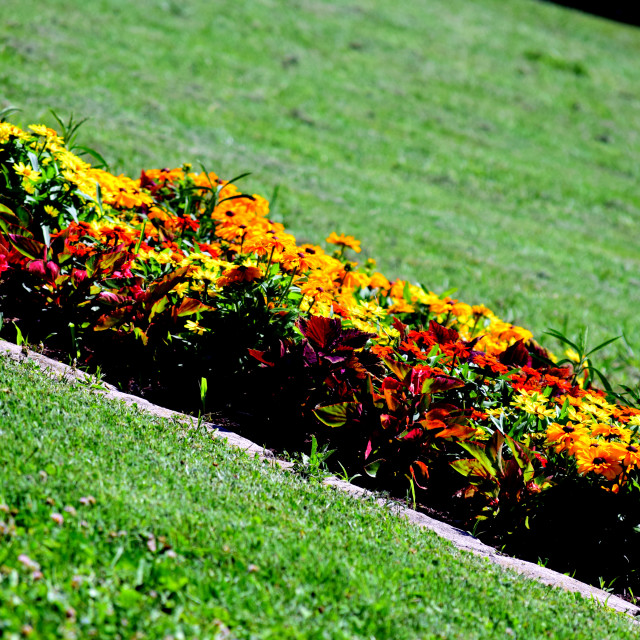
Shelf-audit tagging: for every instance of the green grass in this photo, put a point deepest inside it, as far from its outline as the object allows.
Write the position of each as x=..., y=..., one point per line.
x=491, y=146
x=188, y=538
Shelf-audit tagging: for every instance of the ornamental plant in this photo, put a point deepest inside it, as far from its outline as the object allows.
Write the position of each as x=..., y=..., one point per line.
x=178, y=277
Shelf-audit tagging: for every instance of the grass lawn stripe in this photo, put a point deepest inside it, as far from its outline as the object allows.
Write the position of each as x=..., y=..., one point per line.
x=188, y=536
x=488, y=146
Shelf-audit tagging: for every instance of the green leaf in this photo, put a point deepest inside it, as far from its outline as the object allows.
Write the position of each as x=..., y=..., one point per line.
x=28, y=247
x=335, y=415
x=401, y=370
x=563, y=338
x=469, y=467
x=602, y=346
x=372, y=468
x=88, y=151
x=33, y=159
x=481, y=456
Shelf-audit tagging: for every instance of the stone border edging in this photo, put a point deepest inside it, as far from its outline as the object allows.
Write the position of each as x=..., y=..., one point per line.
x=460, y=539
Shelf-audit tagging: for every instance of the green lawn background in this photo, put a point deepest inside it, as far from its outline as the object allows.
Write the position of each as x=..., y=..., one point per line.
x=490, y=146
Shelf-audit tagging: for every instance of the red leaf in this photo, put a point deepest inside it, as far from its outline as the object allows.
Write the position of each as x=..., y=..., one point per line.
x=191, y=305
x=259, y=356
x=442, y=334
x=422, y=472
x=320, y=331
x=516, y=355
x=413, y=434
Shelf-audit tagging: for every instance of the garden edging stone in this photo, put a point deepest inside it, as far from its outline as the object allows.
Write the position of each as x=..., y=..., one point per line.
x=460, y=539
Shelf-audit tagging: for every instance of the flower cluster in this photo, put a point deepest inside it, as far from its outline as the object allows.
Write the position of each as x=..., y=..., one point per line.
x=179, y=257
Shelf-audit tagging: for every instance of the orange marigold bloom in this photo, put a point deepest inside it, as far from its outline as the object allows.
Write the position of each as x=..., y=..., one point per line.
x=461, y=309
x=344, y=241
x=264, y=244
x=378, y=281
x=440, y=306
x=480, y=310
x=400, y=307
x=382, y=352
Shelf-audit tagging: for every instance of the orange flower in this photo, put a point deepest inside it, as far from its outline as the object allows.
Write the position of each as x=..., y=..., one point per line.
x=382, y=352
x=568, y=436
x=602, y=460
x=344, y=241
x=630, y=456
x=378, y=281
x=401, y=307
x=264, y=244
x=610, y=431
x=239, y=274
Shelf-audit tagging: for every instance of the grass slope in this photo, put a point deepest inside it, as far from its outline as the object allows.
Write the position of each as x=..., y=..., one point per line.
x=485, y=145
x=167, y=533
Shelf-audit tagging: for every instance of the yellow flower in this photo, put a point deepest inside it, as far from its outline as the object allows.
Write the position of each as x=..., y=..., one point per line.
x=401, y=306
x=535, y=404
x=195, y=327
x=572, y=355
x=42, y=130
x=366, y=310
x=181, y=288
x=26, y=171
x=52, y=211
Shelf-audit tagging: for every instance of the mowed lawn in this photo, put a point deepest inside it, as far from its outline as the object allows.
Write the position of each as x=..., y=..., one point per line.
x=489, y=146
x=114, y=524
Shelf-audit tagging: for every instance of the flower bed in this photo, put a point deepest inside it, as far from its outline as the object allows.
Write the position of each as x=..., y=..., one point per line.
x=179, y=285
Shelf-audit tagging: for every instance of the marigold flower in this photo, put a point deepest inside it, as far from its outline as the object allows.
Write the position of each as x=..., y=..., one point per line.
x=611, y=431
x=382, y=351
x=378, y=281
x=400, y=306
x=631, y=456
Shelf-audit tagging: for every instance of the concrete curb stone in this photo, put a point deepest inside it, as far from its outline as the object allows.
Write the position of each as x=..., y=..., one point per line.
x=460, y=539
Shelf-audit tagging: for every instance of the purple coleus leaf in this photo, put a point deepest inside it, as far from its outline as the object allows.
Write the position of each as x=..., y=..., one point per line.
x=516, y=355
x=442, y=334
x=320, y=332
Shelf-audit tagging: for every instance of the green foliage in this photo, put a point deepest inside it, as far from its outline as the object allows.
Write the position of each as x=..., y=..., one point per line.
x=160, y=530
